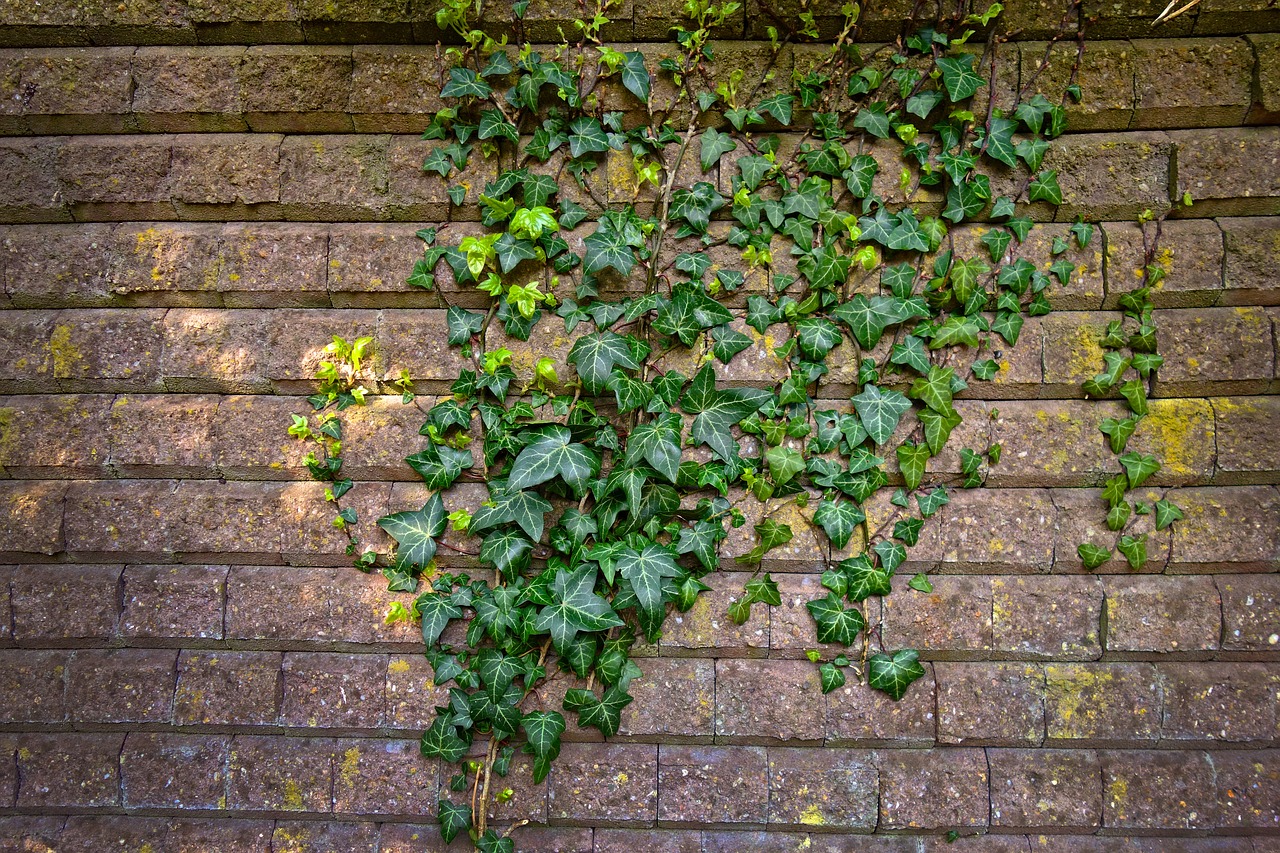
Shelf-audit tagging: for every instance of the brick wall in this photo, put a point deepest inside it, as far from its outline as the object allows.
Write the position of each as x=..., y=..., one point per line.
x=197, y=195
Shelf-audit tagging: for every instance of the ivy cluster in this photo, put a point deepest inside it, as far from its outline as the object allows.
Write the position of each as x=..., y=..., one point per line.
x=611, y=490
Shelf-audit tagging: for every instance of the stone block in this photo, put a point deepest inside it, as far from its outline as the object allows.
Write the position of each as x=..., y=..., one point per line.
x=69, y=770
x=225, y=169
x=174, y=771
x=394, y=89
x=1105, y=75
x=164, y=435
x=1266, y=47
x=411, y=695
x=1162, y=614
x=673, y=699
x=1229, y=171
x=1158, y=790
x=65, y=90
x=933, y=789
x=87, y=349
x=160, y=264
x=291, y=89
x=218, y=350
x=1232, y=529
x=57, y=602
x=1045, y=788
x=860, y=716
x=330, y=690
x=320, y=837
x=1252, y=245
x=651, y=840
x=1111, y=175
x=281, y=774
x=228, y=688
x=1223, y=702
x=952, y=621
x=187, y=89
x=173, y=602
x=767, y=701
x=834, y=788
x=334, y=177
x=121, y=685
x=1102, y=704
x=374, y=776
x=33, y=190
x=34, y=686
x=1247, y=784
x=611, y=784
x=248, y=443
x=228, y=836
x=706, y=626
x=1046, y=618
x=116, y=169
x=85, y=833
x=1082, y=515
x=1250, y=612
x=57, y=266
x=272, y=265
x=1222, y=69
x=33, y=512
x=990, y=703
x=1214, y=351
x=1189, y=251
x=712, y=785
x=54, y=436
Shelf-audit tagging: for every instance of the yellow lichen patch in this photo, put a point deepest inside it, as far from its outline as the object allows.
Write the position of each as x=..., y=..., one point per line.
x=64, y=353
x=398, y=666
x=1118, y=791
x=1074, y=688
x=812, y=816
x=350, y=766
x=1181, y=431
x=292, y=796
x=621, y=779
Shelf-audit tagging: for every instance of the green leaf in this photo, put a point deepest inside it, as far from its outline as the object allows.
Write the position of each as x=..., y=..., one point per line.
x=772, y=534
x=838, y=519
x=463, y=82
x=834, y=623
x=1007, y=325
x=688, y=312
x=607, y=247
x=586, y=136
x=493, y=124
x=1118, y=515
x=959, y=76
x=894, y=673
x=635, y=77
x=507, y=551
x=442, y=741
x=1145, y=362
x=779, y=106
x=911, y=353
x=576, y=608
x=908, y=530
x=728, y=342
x=1092, y=556
x=1134, y=549
x=763, y=590
x=527, y=509
x=863, y=579
x=997, y=241
x=832, y=677
x=714, y=145
x=859, y=175
x=543, y=730
x=784, y=463
x=1166, y=513
x=933, y=501
x=462, y=325
x=1045, y=187
x=453, y=819
x=1118, y=431
x=1136, y=395
x=1000, y=145
x=891, y=555
x=596, y=355
x=415, y=532
x=912, y=458
x=658, y=443
x=717, y=410
x=956, y=330
x=648, y=571
x=439, y=465
x=491, y=842
x=880, y=411
x=554, y=454
x=934, y=390
x=816, y=337
x=761, y=313
x=436, y=610
x=605, y=713
x=873, y=120
x=937, y=428
x=1138, y=468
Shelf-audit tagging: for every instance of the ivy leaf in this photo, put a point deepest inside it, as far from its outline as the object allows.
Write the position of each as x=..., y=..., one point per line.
x=933, y=501
x=462, y=325
x=1045, y=187
x=859, y=175
x=554, y=454
x=934, y=390
x=526, y=509
x=784, y=463
x=688, y=312
x=647, y=570
x=415, y=532
x=816, y=337
x=937, y=428
x=442, y=741
x=1134, y=549
x=658, y=443
x=508, y=551
x=1118, y=515
x=701, y=540
x=439, y=465
x=576, y=608
x=464, y=82
x=493, y=124
x=880, y=411
x=761, y=313
x=586, y=136
x=997, y=241
x=838, y=519
x=912, y=458
x=1092, y=556
x=999, y=143
x=605, y=713
x=911, y=353
x=772, y=534
x=863, y=579
x=779, y=106
x=512, y=250
x=1118, y=431
x=891, y=555
x=596, y=355
x=453, y=819
x=728, y=342
x=1135, y=395
x=956, y=330
x=868, y=318
x=717, y=410
x=1007, y=325
x=959, y=77
x=920, y=583
x=635, y=77
x=1145, y=362
x=607, y=247
x=1138, y=468
x=436, y=610
x=894, y=673
x=491, y=842
x=832, y=677
x=873, y=120
x=834, y=623
x=1166, y=513
x=714, y=145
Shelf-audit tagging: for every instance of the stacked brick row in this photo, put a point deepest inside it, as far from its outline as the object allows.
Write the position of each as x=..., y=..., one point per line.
x=198, y=195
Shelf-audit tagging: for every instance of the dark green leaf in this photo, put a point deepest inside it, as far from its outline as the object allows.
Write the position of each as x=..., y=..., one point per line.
x=835, y=624
x=415, y=532
x=838, y=519
x=894, y=673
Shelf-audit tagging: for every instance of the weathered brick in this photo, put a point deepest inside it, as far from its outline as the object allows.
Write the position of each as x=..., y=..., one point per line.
x=8, y=778
x=1158, y=790
x=328, y=690
x=291, y=89
x=63, y=602
x=1082, y=515
x=254, y=592
x=650, y=840
x=1252, y=246
x=371, y=262
x=1162, y=614
x=123, y=170
x=712, y=785
x=1236, y=16
x=320, y=837
x=174, y=771
x=833, y=788
x=1214, y=351
x=247, y=440
x=1248, y=789
x=163, y=435
x=121, y=685
x=791, y=626
x=424, y=195
x=383, y=777
x=185, y=90
x=411, y=695
x=953, y=620
x=54, y=436
x=228, y=836
x=33, y=513
x=1105, y=74
x=343, y=177
x=376, y=438
x=707, y=628
x=76, y=350
x=33, y=191
x=1250, y=612
x=1266, y=47
x=88, y=833
x=1227, y=529
x=281, y=774
x=225, y=169
x=990, y=703
x=1102, y=704
x=933, y=788
x=818, y=842
x=228, y=688
x=765, y=701
x=61, y=90
x=56, y=265
x=296, y=340
x=1190, y=252
x=1111, y=176
x=1045, y=788
x=30, y=833
x=1219, y=701
x=158, y=262
x=272, y=265
x=674, y=698
x=33, y=686
x=1226, y=170
x=69, y=770
x=858, y=715
x=394, y=89
x=173, y=601
x=1222, y=69
x=608, y=784
x=1046, y=618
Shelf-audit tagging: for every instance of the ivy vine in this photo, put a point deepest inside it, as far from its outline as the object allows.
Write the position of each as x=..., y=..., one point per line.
x=610, y=490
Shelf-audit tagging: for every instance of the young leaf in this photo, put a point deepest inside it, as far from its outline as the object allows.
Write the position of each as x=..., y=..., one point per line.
x=1166, y=513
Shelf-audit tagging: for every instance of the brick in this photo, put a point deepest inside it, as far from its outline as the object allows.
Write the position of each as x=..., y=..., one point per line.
x=271, y=265
x=835, y=788
x=8, y=775
x=174, y=771
x=33, y=192
x=706, y=626
x=1250, y=612
x=296, y=339
x=1227, y=702
x=791, y=626
x=1225, y=170
x=650, y=840
x=992, y=843
x=1225, y=67
x=1082, y=518
x=328, y=690
x=30, y=833
x=372, y=261
x=1252, y=246
x=416, y=341
x=1267, y=70
x=527, y=800
x=163, y=435
x=1247, y=783
x=765, y=701
x=786, y=842
x=54, y=436
x=226, y=169
x=335, y=176
x=1046, y=618
x=611, y=784
x=1227, y=529
x=954, y=619
x=933, y=789
x=383, y=777
x=674, y=698
x=994, y=704
x=116, y=170
x=1158, y=790
x=376, y=438
x=81, y=348
x=317, y=837
x=1189, y=251
x=1045, y=788
x=281, y=774
x=57, y=266
x=248, y=444
x=1162, y=614
x=291, y=89
x=55, y=602
x=253, y=592
x=1111, y=175
x=860, y=716
x=121, y=685
x=712, y=785
x=1214, y=351
x=394, y=89
x=411, y=695
x=228, y=836
x=85, y=833
x=228, y=688
x=161, y=263
x=32, y=511
x=1105, y=75
x=38, y=86
x=69, y=770
x=33, y=684
x=183, y=90
x=421, y=195
x=151, y=602
x=1102, y=704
